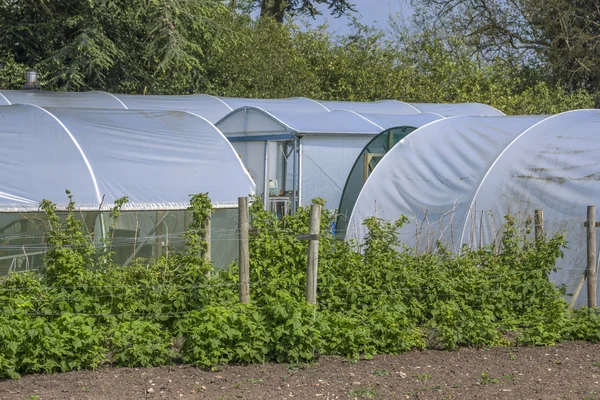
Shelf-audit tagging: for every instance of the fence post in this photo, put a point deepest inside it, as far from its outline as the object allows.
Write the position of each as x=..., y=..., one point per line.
x=591, y=255
x=244, y=250
x=207, y=238
x=313, y=254
x=538, y=216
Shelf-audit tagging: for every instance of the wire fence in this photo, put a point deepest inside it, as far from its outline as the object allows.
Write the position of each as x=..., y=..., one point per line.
x=25, y=251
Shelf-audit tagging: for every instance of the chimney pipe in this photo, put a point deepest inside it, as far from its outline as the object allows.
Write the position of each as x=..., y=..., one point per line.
x=31, y=82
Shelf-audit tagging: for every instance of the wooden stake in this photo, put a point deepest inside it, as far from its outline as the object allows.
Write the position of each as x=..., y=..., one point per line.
x=368, y=157
x=591, y=255
x=313, y=254
x=538, y=216
x=244, y=250
x=207, y=238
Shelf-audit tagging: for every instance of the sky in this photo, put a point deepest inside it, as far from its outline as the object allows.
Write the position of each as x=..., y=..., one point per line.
x=369, y=12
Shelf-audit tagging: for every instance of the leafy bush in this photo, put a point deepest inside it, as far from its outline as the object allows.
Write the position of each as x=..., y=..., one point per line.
x=346, y=336
x=140, y=343
x=67, y=343
x=11, y=335
x=217, y=335
x=294, y=329
x=384, y=299
x=584, y=325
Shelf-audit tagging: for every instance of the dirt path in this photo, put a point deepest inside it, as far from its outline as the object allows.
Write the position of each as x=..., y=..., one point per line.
x=568, y=371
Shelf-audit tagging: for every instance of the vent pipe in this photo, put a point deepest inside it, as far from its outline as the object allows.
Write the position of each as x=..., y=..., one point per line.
x=31, y=82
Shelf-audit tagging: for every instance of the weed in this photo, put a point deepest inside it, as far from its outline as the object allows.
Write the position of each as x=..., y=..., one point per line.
x=254, y=381
x=32, y=397
x=380, y=373
x=512, y=356
x=362, y=393
x=486, y=380
x=596, y=364
x=423, y=377
x=455, y=386
x=509, y=378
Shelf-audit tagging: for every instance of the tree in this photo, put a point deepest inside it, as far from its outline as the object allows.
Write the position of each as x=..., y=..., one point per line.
x=264, y=62
x=119, y=45
x=272, y=60
x=561, y=37
x=278, y=9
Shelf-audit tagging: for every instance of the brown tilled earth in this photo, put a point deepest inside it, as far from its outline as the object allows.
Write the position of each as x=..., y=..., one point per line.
x=567, y=371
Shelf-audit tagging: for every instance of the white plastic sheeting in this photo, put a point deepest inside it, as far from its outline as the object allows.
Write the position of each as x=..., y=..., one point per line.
x=156, y=158
x=253, y=121
x=433, y=173
x=214, y=108
x=379, y=107
x=328, y=160
x=326, y=163
x=61, y=99
x=387, y=121
x=293, y=104
x=208, y=107
x=457, y=178
x=453, y=110
x=399, y=107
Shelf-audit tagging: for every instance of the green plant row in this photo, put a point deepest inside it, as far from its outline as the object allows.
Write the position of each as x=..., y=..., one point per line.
x=82, y=311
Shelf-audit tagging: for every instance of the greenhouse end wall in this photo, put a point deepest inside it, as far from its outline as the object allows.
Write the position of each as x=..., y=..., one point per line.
x=326, y=162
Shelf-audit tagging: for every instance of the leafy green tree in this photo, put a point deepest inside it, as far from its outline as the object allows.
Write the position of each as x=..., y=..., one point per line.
x=264, y=62
x=281, y=60
x=558, y=36
x=203, y=46
x=280, y=9
x=133, y=46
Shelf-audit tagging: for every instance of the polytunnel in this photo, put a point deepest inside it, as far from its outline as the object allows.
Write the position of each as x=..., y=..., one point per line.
x=457, y=109
x=296, y=157
x=155, y=158
x=399, y=107
x=208, y=107
x=213, y=108
x=457, y=178
x=374, y=107
x=368, y=159
x=61, y=99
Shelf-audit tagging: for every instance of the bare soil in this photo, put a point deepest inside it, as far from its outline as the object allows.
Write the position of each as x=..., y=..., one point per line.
x=567, y=371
